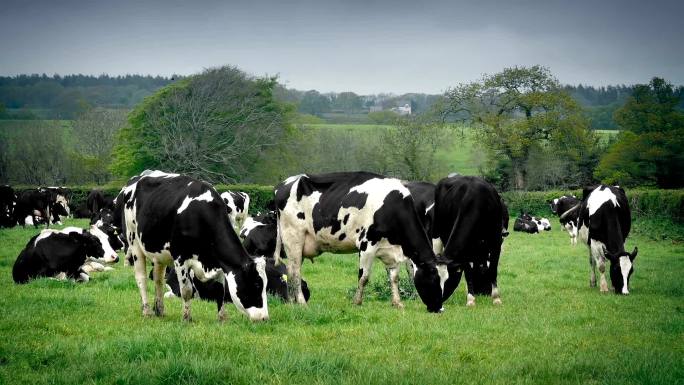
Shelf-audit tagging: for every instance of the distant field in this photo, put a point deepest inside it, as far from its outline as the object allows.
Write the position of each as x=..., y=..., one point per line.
x=551, y=329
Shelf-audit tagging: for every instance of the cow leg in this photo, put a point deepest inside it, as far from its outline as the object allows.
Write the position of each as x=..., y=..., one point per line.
x=470, y=286
x=602, y=270
x=159, y=274
x=592, y=271
x=410, y=269
x=213, y=275
x=186, y=292
x=365, y=265
x=394, y=284
x=294, y=272
x=141, y=279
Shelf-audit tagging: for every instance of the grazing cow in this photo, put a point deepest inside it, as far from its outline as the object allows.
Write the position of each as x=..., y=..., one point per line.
x=238, y=207
x=212, y=290
x=8, y=200
x=471, y=221
x=356, y=211
x=83, y=212
x=97, y=201
x=259, y=234
x=423, y=194
x=34, y=203
x=64, y=253
x=563, y=204
x=604, y=223
x=177, y=220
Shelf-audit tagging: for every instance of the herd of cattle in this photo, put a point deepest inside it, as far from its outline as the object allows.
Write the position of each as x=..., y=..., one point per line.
x=202, y=244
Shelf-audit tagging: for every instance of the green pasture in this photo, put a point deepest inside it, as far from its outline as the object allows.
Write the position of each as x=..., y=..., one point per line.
x=551, y=329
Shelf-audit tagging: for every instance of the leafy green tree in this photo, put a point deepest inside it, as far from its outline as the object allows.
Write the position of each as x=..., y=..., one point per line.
x=348, y=102
x=522, y=109
x=314, y=103
x=214, y=126
x=650, y=150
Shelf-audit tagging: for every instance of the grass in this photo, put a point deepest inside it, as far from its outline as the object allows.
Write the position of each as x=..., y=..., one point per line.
x=552, y=328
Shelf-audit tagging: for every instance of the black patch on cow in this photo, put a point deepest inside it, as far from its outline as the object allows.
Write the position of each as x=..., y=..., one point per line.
x=360, y=273
x=300, y=215
x=363, y=246
x=346, y=218
x=363, y=233
x=342, y=236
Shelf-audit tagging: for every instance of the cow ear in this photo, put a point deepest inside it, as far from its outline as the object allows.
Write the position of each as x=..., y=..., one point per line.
x=611, y=257
x=634, y=253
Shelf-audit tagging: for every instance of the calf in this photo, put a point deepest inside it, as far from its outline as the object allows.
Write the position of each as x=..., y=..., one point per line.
x=66, y=253
x=175, y=220
x=471, y=221
x=356, y=211
x=237, y=203
x=604, y=223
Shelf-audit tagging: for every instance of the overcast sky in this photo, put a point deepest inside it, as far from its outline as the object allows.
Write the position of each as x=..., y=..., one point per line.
x=361, y=46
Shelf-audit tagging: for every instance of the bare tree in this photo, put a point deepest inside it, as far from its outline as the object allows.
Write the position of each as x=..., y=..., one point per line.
x=94, y=132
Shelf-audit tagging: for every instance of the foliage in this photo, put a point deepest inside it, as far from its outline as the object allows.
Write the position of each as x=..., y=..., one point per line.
x=93, y=134
x=314, y=103
x=383, y=117
x=347, y=102
x=650, y=150
x=522, y=110
x=213, y=126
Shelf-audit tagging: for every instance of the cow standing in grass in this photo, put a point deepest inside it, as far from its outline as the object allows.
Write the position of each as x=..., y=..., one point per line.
x=356, y=211
x=568, y=219
x=237, y=203
x=604, y=221
x=178, y=221
x=470, y=224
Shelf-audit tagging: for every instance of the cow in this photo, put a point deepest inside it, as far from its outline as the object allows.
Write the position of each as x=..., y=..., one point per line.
x=563, y=204
x=543, y=224
x=104, y=220
x=82, y=212
x=238, y=207
x=8, y=200
x=356, y=211
x=212, y=290
x=605, y=220
x=471, y=221
x=259, y=233
x=177, y=220
x=97, y=201
x=59, y=203
x=525, y=223
x=34, y=203
x=70, y=253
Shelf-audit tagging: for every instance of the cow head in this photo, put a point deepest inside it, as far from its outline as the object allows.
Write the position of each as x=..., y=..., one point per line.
x=105, y=252
x=247, y=288
x=430, y=279
x=621, y=269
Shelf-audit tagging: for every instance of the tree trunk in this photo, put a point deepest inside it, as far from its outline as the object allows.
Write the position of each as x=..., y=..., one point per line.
x=518, y=175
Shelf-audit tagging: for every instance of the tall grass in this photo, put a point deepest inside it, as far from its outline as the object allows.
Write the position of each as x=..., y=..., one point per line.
x=551, y=329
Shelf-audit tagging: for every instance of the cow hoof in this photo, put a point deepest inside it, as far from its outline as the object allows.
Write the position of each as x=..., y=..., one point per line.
x=470, y=303
x=187, y=318
x=159, y=311
x=497, y=301
x=146, y=312
x=398, y=305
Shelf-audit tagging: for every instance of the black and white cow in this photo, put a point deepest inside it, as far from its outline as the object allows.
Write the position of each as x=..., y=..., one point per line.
x=259, y=234
x=563, y=204
x=97, y=201
x=104, y=220
x=35, y=203
x=238, y=207
x=59, y=202
x=604, y=221
x=213, y=291
x=69, y=253
x=8, y=200
x=356, y=211
x=177, y=220
x=526, y=223
x=471, y=221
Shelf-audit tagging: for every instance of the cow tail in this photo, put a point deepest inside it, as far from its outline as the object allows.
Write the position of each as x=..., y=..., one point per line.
x=279, y=242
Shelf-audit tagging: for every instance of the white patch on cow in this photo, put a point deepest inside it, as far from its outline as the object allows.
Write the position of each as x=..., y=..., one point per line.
x=62, y=201
x=472, y=265
x=202, y=197
x=555, y=201
x=28, y=220
x=249, y=225
x=293, y=178
x=43, y=234
x=443, y=275
x=379, y=188
x=429, y=208
x=598, y=197
x=158, y=174
x=625, y=267
x=189, y=183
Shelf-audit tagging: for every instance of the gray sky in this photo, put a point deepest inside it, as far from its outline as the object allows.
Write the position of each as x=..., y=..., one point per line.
x=361, y=46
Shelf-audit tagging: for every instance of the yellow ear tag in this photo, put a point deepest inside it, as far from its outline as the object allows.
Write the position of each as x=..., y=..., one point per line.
x=284, y=277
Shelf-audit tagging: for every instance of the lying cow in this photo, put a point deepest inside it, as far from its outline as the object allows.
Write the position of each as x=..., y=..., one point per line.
x=525, y=223
x=71, y=253
x=356, y=211
x=604, y=221
x=470, y=224
x=238, y=207
x=175, y=220
x=211, y=291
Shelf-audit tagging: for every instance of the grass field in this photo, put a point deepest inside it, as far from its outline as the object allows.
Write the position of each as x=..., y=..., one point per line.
x=552, y=328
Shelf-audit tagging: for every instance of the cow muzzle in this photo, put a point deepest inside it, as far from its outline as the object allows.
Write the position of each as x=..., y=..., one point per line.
x=257, y=314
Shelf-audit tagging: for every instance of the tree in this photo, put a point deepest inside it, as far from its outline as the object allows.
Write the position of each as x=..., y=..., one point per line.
x=348, y=102
x=94, y=132
x=650, y=150
x=314, y=103
x=521, y=109
x=214, y=126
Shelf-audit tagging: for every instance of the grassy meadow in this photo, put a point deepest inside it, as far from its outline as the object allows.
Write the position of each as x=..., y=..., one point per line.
x=552, y=328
